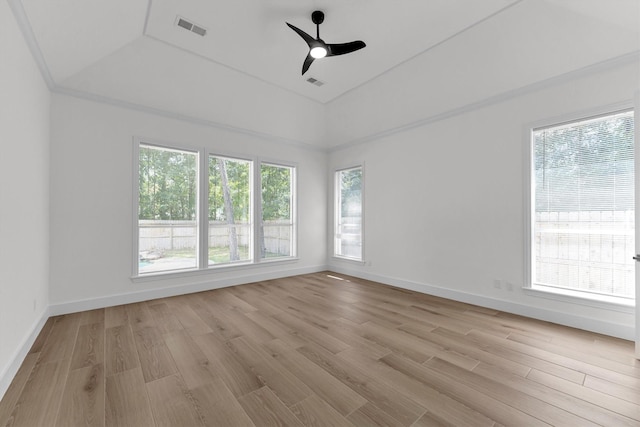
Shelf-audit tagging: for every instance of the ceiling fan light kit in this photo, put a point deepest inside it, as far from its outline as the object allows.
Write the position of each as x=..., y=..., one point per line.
x=318, y=48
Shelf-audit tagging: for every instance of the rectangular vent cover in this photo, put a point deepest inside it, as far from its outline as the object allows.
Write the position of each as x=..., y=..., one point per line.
x=315, y=81
x=190, y=26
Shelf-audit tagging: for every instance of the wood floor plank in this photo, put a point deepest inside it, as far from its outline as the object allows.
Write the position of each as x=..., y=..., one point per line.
x=505, y=348
x=61, y=340
x=403, y=409
x=509, y=395
x=12, y=395
x=234, y=371
x=248, y=328
x=191, y=362
x=277, y=329
x=215, y=320
x=334, y=392
x=171, y=403
x=217, y=406
x=40, y=399
x=92, y=316
x=621, y=392
x=490, y=407
x=554, y=397
x=398, y=341
x=315, y=412
x=115, y=316
x=120, y=349
x=573, y=353
x=576, y=364
x=428, y=397
x=370, y=415
x=154, y=355
x=126, y=400
x=164, y=319
x=89, y=347
x=192, y=323
x=289, y=389
x=233, y=302
x=622, y=407
x=458, y=343
x=347, y=332
x=138, y=315
x=84, y=398
x=312, y=333
x=266, y=410
x=429, y=420
x=42, y=336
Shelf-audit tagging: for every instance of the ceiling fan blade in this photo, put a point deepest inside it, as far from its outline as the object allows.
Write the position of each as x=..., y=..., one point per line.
x=342, y=48
x=307, y=63
x=307, y=38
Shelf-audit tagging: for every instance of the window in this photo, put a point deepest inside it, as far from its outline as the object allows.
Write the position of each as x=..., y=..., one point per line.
x=230, y=226
x=277, y=226
x=348, y=213
x=167, y=209
x=583, y=212
x=195, y=210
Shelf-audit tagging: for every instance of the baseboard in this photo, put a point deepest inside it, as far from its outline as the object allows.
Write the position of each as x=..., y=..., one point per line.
x=16, y=361
x=170, y=291
x=562, y=318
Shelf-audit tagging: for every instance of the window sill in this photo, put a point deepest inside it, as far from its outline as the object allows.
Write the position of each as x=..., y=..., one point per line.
x=165, y=275
x=349, y=260
x=624, y=305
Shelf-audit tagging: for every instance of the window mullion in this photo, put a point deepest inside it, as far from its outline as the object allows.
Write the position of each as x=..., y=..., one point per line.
x=257, y=218
x=203, y=210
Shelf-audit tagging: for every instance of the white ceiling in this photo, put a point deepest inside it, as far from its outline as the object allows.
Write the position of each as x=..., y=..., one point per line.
x=113, y=47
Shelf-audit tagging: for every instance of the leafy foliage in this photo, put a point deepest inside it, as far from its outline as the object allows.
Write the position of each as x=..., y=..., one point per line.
x=167, y=184
x=276, y=192
x=351, y=192
x=239, y=183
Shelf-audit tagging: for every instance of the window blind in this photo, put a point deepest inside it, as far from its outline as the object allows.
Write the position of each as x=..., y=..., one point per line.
x=584, y=207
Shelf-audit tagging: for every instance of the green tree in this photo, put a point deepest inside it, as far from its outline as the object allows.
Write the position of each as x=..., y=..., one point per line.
x=276, y=192
x=167, y=184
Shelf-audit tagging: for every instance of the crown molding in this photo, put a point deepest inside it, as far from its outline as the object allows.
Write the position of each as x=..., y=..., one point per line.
x=30, y=38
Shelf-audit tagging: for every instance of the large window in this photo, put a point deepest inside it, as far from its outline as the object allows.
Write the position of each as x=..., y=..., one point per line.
x=167, y=209
x=348, y=213
x=583, y=210
x=277, y=227
x=230, y=226
x=196, y=210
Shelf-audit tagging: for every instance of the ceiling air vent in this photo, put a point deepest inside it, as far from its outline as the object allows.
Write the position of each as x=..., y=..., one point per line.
x=181, y=22
x=315, y=81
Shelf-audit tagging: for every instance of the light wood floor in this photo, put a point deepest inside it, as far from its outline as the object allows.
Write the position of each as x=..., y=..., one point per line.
x=319, y=350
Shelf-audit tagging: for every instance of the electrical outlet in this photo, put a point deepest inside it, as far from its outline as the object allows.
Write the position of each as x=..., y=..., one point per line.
x=497, y=283
x=35, y=303
x=510, y=286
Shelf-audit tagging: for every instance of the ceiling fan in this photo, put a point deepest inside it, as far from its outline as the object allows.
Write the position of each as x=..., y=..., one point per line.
x=318, y=48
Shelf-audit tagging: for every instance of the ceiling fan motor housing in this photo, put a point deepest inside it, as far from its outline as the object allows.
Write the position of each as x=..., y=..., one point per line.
x=317, y=17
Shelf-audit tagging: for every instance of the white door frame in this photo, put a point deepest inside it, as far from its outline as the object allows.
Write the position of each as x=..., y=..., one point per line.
x=637, y=216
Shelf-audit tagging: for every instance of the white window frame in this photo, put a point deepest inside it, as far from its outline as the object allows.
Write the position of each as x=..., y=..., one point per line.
x=614, y=303
x=294, y=209
x=336, y=213
x=202, y=222
x=204, y=196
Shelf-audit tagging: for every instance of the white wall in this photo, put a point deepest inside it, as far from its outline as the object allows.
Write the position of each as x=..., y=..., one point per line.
x=91, y=184
x=24, y=198
x=146, y=71
x=444, y=200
